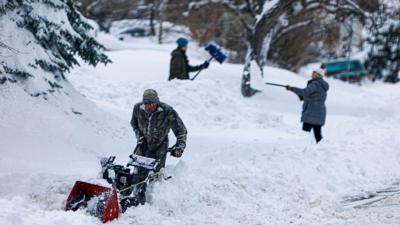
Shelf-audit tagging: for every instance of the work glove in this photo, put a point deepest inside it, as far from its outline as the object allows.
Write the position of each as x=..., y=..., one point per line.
x=176, y=151
x=205, y=65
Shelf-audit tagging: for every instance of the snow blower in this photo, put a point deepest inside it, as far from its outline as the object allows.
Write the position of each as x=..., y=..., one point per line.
x=128, y=188
x=215, y=52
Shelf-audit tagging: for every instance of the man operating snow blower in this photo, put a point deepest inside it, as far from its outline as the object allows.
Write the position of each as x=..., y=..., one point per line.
x=151, y=121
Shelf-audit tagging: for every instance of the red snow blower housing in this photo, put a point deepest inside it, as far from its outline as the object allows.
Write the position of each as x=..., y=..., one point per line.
x=101, y=202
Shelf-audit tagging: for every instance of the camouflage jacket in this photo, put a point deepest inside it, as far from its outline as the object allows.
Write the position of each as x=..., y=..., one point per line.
x=154, y=127
x=179, y=66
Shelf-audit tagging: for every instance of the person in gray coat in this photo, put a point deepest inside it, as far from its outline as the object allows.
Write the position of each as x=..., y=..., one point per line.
x=314, y=95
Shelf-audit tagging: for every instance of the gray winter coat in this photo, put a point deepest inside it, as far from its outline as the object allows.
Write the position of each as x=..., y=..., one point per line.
x=314, y=96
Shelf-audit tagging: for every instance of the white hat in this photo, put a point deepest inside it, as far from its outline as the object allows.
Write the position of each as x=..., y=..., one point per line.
x=319, y=72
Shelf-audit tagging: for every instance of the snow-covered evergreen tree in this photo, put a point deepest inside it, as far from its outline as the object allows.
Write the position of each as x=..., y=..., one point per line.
x=383, y=60
x=41, y=40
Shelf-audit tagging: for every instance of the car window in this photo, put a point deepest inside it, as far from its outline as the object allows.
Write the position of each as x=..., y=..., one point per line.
x=355, y=65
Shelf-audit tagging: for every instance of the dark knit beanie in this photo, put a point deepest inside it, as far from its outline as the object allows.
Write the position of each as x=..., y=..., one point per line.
x=150, y=96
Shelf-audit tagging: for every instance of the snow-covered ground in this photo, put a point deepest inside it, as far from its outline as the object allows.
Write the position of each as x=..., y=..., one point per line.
x=247, y=160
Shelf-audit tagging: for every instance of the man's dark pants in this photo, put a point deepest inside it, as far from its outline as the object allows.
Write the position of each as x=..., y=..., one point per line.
x=160, y=154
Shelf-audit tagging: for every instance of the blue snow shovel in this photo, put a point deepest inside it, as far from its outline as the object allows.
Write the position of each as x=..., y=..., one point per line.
x=215, y=53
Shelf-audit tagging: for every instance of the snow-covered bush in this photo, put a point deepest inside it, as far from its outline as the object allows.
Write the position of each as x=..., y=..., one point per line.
x=40, y=41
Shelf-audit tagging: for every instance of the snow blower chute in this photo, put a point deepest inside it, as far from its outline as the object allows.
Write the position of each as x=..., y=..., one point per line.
x=128, y=188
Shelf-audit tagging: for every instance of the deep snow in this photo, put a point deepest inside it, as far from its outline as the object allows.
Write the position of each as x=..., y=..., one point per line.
x=246, y=162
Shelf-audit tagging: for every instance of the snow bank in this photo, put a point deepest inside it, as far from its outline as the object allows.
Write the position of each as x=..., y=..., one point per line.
x=38, y=135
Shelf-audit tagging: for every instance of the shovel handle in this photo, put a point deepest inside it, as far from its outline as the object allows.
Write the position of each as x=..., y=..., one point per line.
x=209, y=60
x=273, y=84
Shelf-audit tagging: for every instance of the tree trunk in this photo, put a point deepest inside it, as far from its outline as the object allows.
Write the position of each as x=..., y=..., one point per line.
x=246, y=89
x=152, y=15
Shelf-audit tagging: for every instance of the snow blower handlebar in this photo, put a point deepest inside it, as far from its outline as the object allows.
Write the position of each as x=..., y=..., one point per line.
x=142, y=161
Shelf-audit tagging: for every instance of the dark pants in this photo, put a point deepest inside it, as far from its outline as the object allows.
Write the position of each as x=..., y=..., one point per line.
x=143, y=150
x=317, y=130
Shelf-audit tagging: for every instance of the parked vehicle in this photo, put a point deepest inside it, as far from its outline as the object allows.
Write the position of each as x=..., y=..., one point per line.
x=133, y=32
x=131, y=29
x=346, y=70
